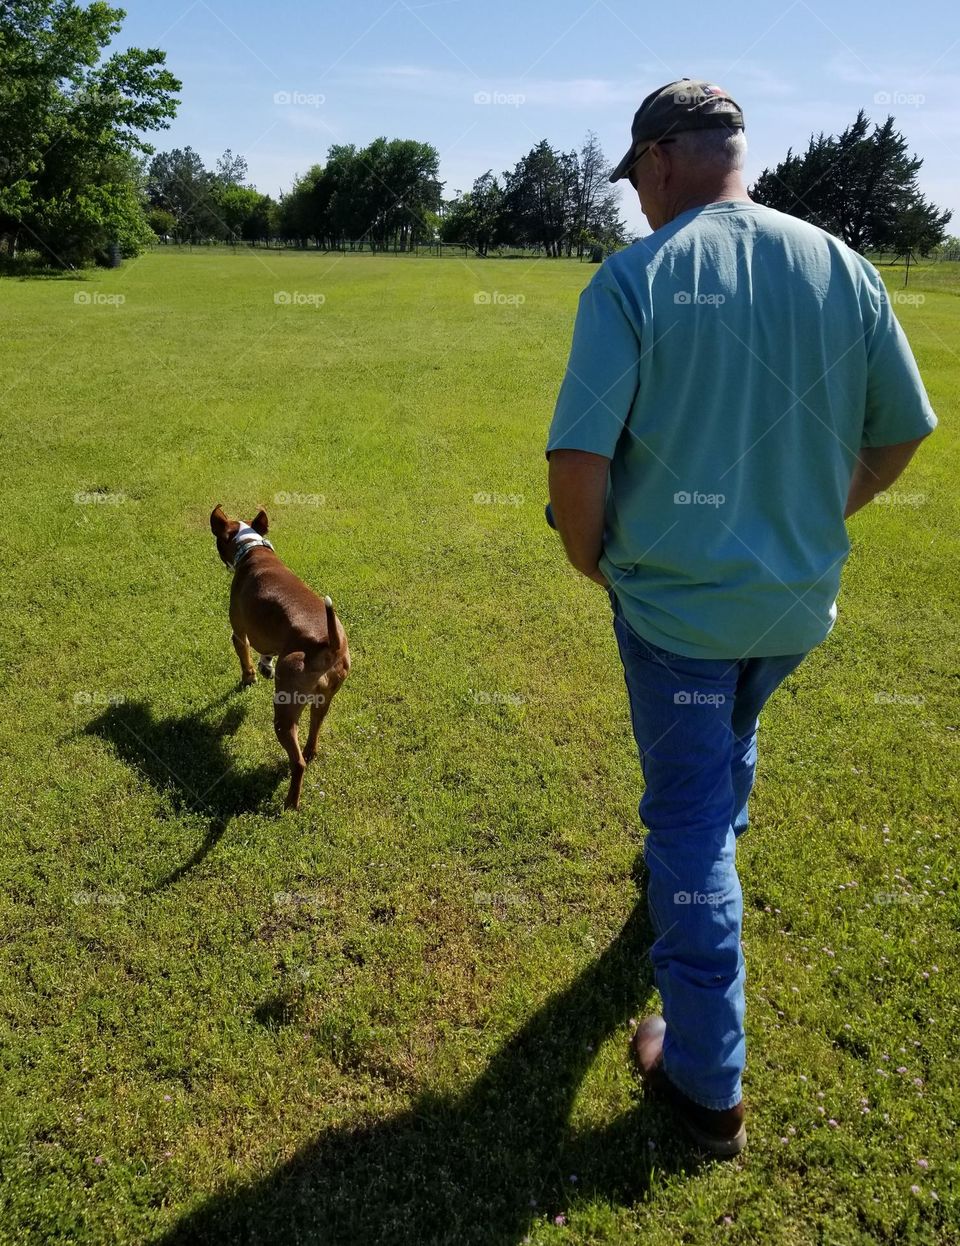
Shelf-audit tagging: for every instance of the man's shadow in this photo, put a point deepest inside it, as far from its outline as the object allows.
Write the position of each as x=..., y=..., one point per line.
x=478, y=1166
x=186, y=758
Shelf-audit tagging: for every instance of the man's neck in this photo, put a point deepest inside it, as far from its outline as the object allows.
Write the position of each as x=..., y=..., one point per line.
x=731, y=188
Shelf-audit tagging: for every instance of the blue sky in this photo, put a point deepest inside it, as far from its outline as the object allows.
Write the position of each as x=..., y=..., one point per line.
x=280, y=82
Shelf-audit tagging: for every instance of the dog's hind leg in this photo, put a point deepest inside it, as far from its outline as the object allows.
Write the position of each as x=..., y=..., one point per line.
x=288, y=703
x=242, y=646
x=265, y=666
x=319, y=704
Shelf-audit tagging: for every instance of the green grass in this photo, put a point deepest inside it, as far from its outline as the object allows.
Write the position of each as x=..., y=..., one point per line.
x=402, y=1014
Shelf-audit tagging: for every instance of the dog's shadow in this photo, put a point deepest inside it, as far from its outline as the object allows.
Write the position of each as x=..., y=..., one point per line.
x=186, y=759
x=479, y=1166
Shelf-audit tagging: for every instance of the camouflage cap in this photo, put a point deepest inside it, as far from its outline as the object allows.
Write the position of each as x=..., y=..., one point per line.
x=687, y=104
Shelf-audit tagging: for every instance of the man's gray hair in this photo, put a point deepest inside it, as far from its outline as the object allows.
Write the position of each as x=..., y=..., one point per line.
x=720, y=150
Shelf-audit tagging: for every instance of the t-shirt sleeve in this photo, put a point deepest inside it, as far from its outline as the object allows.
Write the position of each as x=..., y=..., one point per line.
x=897, y=408
x=600, y=384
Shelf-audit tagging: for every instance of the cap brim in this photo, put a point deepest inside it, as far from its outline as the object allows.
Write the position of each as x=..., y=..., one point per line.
x=621, y=169
x=705, y=121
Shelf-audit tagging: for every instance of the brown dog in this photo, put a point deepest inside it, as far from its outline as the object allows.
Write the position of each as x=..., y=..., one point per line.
x=276, y=614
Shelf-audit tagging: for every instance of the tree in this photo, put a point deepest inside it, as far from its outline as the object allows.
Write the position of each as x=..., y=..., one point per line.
x=561, y=200
x=860, y=186
x=476, y=218
x=237, y=207
x=85, y=203
x=261, y=224
x=178, y=182
x=409, y=173
x=299, y=213
x=597, y=220
x=948, y=249
x=70, y=129
x=537, y=199
x=919, y=229
x=162, y=222
x=231, y=169
x=386, y=194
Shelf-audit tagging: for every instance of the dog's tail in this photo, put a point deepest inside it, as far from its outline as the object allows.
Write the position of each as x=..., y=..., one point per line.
x=325, y=655
x=331, y=623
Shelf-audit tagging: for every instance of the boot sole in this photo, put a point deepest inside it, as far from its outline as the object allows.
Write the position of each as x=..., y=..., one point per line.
x=722, y=1148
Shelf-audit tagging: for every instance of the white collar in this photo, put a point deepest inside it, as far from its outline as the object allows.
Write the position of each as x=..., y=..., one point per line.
x=247, y=539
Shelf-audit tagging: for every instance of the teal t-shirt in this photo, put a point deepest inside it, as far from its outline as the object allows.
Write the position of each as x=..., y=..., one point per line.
x=731, y=365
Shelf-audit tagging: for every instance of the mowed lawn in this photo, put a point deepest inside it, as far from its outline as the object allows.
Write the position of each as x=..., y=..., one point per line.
x=402, y=1014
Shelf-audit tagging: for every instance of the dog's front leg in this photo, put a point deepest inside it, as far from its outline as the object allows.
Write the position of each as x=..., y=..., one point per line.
x=242, y=646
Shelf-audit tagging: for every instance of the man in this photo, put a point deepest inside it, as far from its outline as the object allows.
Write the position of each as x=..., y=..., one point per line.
x=737, y=386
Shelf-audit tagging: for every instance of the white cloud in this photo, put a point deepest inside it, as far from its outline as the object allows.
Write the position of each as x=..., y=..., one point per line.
x=751, y=83
x=900, y=75
x=552, y=92
x=755, y=82
x=308, y=118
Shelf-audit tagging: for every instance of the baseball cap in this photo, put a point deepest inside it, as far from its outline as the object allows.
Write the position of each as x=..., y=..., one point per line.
x=687, y=104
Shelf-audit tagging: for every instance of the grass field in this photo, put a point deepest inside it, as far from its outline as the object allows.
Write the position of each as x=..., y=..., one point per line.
x=401, y=1015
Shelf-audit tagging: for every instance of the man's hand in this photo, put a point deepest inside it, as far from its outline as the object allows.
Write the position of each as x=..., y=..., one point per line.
x=578, y=491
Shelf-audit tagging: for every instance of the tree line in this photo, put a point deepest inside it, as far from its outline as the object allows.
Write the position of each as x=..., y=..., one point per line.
x=388, y=196
x=79, y=182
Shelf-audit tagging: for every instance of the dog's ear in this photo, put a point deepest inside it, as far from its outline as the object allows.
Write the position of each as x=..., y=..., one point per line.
x=260, y=523
x=219, y=522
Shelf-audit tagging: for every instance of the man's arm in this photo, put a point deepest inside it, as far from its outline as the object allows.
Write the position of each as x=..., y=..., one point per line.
x=578, y=490
x=876, y=469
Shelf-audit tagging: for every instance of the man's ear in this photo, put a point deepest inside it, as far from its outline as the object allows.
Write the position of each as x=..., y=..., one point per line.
x=219, y=522
x=260, y=523
x=663, y=166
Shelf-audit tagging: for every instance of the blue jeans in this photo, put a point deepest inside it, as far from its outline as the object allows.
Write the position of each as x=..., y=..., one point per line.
x=695, y=722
